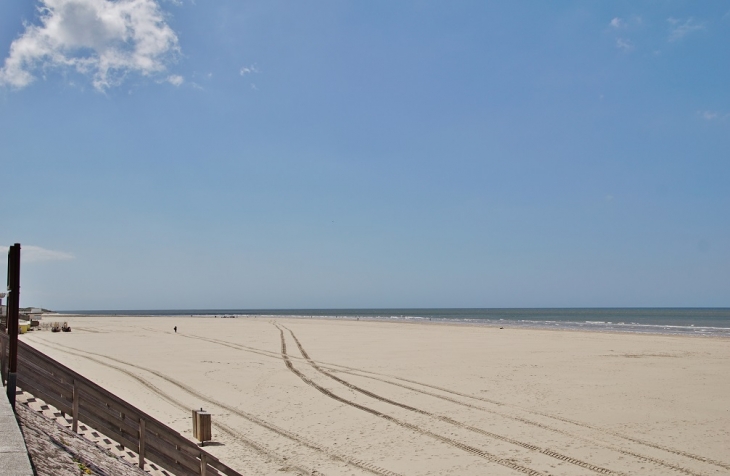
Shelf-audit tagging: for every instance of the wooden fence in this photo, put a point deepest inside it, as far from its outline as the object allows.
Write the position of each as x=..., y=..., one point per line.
x=90, y=404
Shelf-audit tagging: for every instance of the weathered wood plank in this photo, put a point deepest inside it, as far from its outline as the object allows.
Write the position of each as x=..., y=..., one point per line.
x=125, y=426
x=211, y=471
x=214, y=463
x=171, y=451
x=112, y=403
x=50, y=398
x=109, y=429
x=58, y=373
x=99, y=407
x=173, y=437
x=45, y=379
x=171, y=464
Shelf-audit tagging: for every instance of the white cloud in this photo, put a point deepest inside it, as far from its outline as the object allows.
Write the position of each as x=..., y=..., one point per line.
x=249, y=70
x=617, y=23
x=679, y=29
x=623, y=44
x=175, y=80
x=34, y=254
x=103, y=39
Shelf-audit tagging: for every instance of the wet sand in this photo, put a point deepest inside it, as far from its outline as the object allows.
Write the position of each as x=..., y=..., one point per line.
x=368, y=397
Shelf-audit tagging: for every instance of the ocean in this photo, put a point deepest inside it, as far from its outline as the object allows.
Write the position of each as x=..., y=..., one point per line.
x=677, y=321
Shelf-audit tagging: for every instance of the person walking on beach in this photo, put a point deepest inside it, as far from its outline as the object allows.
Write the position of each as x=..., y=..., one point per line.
x=175, y=329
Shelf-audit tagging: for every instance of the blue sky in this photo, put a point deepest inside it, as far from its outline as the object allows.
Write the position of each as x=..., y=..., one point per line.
x=232, y=154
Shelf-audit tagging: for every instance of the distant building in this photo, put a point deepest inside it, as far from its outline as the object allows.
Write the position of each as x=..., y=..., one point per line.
x=31, y=314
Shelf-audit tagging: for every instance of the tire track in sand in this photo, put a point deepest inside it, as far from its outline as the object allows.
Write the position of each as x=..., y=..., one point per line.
x=236, y=435
x=646, y=458
x=632, y=439
x=470, y=449
x=377, y=376
x=364, y=465
x=547, y=415
x=545, y=451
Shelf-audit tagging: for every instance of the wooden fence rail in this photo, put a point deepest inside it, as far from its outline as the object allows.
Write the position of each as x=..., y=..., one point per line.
x=88, y=403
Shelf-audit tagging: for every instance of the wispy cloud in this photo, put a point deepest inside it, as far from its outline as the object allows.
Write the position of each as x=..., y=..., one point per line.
x=617, y=23
x=249, y=70
x=624, y=44
x=620, y=28
x=103, y=39
x=680, y=28
x=35, y=254
x=712, y=115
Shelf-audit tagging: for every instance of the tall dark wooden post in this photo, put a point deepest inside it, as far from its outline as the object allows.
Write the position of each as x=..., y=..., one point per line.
x=13, y=310
x=3, y=349
x=2, y=314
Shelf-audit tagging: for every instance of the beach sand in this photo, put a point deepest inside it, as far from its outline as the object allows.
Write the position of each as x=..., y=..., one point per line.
x=390, y=398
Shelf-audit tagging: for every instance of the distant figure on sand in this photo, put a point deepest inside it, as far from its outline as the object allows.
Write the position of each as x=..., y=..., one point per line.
x=175, y=329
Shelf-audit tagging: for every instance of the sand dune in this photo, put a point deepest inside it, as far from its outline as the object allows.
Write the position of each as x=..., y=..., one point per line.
x=370, y=397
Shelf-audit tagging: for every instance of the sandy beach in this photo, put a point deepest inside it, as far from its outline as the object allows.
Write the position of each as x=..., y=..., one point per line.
x=326, y=396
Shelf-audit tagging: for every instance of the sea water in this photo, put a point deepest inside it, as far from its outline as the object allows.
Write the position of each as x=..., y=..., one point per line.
x=682, y=321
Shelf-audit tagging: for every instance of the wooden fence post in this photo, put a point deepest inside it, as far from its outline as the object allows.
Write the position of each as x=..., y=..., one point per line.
x=203, y=464
x=141, y=442
x=75, y=415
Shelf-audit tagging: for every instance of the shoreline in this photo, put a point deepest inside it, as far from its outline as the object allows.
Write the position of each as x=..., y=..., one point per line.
x=572, y=326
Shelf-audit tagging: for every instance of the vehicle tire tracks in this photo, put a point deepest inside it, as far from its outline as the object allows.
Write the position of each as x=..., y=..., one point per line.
x=364, y=465
x=545, y=451
x=236, y=435
x=677, y=452
x=546, y=415
x=572, y=422
x=536, y=424
x=377, y=376
x=470, y=449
